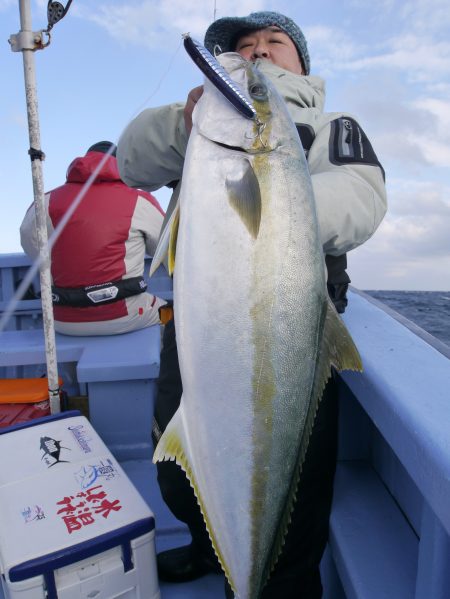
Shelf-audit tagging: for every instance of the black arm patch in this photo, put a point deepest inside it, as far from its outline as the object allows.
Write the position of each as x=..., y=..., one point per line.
x=307, y=136
x=350, y=145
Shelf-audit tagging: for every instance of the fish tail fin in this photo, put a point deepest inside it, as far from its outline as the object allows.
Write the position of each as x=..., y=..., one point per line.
x=174, y=446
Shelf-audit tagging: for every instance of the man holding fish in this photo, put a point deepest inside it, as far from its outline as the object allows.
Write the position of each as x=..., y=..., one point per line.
x=263, y=333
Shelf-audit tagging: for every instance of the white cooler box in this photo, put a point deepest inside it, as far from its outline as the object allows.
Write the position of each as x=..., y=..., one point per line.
x=72, y=526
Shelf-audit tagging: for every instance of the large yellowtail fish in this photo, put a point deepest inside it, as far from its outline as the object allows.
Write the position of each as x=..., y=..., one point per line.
x=256, y=332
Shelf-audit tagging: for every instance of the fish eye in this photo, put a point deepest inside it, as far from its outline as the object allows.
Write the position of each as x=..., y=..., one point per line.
x=258, y=91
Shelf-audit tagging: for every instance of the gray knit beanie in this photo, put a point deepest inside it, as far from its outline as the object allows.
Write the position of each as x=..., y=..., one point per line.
x=224, y=32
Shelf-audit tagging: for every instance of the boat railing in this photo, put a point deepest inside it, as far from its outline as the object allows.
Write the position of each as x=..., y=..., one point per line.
x=390, y=525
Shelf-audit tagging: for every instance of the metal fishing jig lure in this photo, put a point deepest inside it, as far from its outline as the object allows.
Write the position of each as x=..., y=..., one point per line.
x=218, y=77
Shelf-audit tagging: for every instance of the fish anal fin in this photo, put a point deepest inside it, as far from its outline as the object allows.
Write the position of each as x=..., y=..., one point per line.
x=171, y=443
x=245, y=197
x=172, y=447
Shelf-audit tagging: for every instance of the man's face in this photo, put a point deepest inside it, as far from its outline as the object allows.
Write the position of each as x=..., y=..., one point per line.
x=272, y=44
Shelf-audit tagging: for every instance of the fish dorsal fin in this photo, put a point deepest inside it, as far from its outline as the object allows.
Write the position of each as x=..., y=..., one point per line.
x=244, y=195
x=337, y=349
x=173, y=446
x=167, y=243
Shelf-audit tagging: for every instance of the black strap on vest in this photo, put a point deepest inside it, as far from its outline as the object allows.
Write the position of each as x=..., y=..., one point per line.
x=96, y=295
x=307, y=136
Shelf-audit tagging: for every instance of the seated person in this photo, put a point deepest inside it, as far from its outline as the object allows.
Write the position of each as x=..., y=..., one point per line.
x=97, y=262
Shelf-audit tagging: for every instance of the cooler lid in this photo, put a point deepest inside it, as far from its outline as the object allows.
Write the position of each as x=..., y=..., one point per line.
x=62, y=494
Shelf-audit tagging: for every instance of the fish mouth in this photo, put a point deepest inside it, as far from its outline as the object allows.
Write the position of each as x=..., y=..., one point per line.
x=261, y=150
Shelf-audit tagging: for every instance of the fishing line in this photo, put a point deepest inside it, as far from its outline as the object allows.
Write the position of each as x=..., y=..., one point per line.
x=207, y=64
x=158, y=85
x=37, y=263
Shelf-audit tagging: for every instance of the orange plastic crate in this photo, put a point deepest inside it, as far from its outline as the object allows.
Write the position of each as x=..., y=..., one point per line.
x=23, y=399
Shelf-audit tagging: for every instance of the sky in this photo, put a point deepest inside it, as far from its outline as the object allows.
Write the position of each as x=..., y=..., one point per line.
x=387, y=63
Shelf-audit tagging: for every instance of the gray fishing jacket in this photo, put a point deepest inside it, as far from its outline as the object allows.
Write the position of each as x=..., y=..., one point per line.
x=347, y=178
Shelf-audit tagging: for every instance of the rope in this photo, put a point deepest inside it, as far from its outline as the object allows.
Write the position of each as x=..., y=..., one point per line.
x=36, y=154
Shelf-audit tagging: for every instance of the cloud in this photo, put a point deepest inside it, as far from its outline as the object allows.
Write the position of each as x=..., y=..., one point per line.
x=418, y=58
x=19, y=119
x=408, y=38
x=398, y=84
x=440, y=109
x=411, y=248
x=416, y=238
x=434, y=152
x=5, y=4
x=425, y=128
x=436, y=148
x=414, y=133
x=369, y=269
x=151, y=22
x=326, y=43
x=409, y=126
x=430, y=16
x=417, y=224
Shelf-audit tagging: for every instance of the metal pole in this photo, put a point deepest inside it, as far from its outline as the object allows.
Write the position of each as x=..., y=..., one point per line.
x=29, y=43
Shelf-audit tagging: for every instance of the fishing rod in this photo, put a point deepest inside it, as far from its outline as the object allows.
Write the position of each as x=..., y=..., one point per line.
x=28, y=41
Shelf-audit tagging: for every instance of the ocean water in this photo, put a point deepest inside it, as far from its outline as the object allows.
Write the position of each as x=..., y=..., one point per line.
x=430, y=310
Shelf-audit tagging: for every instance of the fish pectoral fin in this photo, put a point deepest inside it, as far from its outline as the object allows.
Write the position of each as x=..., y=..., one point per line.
x=167, y=243
x=244, y=195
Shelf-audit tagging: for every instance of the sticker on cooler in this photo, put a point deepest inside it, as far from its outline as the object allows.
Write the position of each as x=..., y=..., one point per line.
x=83, y=508
x=88, y=474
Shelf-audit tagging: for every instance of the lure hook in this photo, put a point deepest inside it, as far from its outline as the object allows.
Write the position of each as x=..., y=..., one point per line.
x=260, y=127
